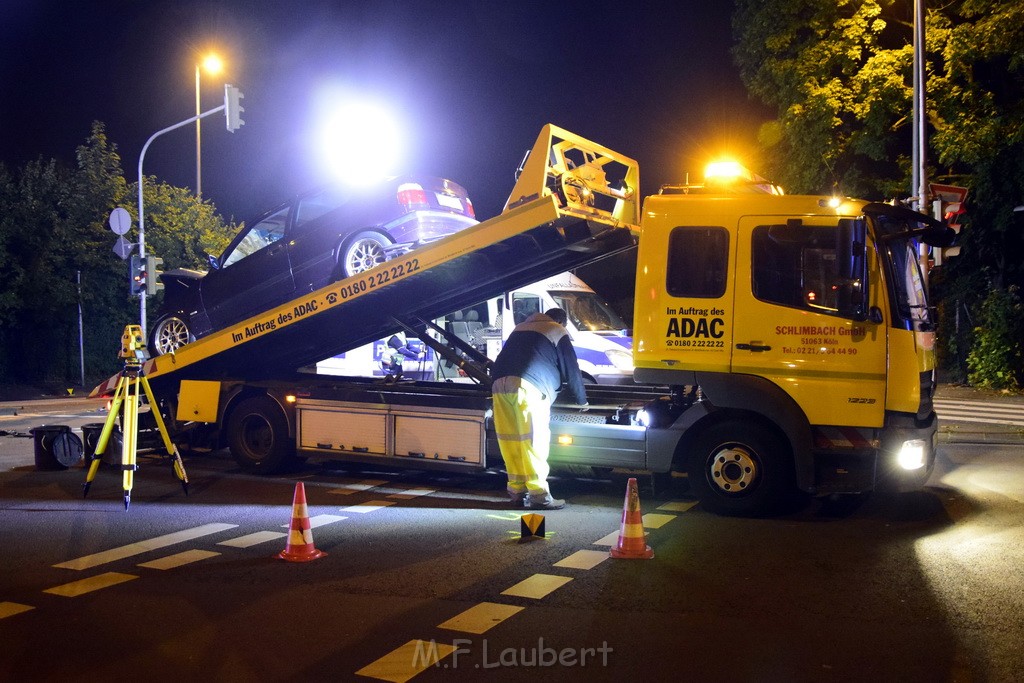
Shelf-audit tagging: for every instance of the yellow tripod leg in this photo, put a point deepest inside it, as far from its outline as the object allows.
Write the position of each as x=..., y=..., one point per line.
x=172, y=450
x=108, y=428
x=130, y=426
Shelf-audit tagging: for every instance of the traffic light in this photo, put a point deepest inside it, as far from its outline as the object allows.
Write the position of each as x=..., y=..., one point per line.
x=152, y=275
x=136, y=276
x=233, y=107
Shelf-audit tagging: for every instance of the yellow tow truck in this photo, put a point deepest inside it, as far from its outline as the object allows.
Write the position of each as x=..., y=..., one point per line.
x=781, y=343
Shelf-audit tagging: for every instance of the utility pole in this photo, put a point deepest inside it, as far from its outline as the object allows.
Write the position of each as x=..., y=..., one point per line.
x=919, y=190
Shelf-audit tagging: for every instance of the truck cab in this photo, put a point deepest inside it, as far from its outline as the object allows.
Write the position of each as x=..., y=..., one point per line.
x=803, y=320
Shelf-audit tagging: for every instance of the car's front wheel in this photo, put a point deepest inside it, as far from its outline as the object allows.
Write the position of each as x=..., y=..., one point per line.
x=362, y=252
x=170, y=333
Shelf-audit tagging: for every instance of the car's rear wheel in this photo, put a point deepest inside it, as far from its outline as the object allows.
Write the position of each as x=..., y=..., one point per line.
x=170, y=333
x=362, y=252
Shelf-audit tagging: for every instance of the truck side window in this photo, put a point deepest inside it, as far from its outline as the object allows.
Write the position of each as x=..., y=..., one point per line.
x=698, y=259
x=796, y=267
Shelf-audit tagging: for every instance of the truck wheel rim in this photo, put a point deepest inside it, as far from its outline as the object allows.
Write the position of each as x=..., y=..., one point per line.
x=257, y=436
x=734, y=469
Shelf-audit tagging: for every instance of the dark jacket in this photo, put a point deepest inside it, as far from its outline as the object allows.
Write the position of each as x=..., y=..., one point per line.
x=540, y=351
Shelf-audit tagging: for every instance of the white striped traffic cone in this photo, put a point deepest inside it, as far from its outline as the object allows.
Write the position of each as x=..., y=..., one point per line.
x=299, y=547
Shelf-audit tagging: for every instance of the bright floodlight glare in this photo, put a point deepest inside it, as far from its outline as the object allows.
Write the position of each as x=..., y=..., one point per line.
x=361, y=142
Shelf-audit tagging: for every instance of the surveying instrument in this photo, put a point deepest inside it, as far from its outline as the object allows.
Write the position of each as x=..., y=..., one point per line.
x=131, y=382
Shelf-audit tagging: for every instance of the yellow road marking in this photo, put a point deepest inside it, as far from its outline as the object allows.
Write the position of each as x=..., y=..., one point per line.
x=480, y=618
x=9, y=609
x=583, y=559
x=368, y=506
x=320, y=520
x=179, y=559
x=678, y=505
x=537, y=586
x=93, y=583
x=411, y=493
x=652, y=520
x=365, y=485
x=250, y=540
x=406, y=661
x=90, y=561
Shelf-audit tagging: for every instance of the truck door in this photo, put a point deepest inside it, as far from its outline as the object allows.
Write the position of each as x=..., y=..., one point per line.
x=788, y=325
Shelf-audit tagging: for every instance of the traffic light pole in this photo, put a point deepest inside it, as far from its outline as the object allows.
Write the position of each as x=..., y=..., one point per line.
x=142, y=220
x=232, y=110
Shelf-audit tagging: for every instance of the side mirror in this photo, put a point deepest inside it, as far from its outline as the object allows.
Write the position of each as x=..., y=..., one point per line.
x=852, y=268
x=212, y=260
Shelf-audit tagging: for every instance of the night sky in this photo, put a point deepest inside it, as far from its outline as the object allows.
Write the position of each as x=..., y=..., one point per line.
x=471, y=83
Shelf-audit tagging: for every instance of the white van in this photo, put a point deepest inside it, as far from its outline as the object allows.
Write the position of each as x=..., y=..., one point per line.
x=603, y=346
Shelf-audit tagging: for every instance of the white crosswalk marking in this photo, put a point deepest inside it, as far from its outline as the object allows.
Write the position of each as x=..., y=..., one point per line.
x=984, y=412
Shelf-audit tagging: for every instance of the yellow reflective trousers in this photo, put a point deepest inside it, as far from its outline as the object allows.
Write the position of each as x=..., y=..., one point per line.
x=522, y=420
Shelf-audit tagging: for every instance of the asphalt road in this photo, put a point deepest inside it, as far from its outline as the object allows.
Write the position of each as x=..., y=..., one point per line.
x=426, y=577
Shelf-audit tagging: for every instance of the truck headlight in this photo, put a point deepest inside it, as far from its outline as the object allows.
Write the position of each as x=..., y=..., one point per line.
x=622, y=360
x=911, y=455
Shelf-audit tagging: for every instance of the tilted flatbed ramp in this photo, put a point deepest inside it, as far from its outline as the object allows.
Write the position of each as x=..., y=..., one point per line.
x=575, y=202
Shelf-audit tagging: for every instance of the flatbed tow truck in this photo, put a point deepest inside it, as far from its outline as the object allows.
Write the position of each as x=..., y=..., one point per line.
x=781, y=343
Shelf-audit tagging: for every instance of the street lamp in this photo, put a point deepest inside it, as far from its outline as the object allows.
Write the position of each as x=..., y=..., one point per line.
x=213, y=65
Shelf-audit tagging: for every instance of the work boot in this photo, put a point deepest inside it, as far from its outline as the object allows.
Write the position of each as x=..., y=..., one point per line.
x=545, y=502
x=518, y=500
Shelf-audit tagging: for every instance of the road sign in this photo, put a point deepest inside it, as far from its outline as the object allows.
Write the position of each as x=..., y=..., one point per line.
x=123, y=247
x=947, y=193
x=120, y=221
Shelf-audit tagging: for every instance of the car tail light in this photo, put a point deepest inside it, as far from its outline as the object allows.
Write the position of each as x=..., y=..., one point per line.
x=412, y=197
x=470, y=211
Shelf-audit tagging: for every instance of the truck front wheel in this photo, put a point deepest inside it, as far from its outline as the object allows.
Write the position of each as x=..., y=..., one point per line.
x=740, y=469
x=258, y=435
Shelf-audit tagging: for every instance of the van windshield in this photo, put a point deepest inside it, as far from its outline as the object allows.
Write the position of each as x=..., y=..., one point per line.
x=589, y=312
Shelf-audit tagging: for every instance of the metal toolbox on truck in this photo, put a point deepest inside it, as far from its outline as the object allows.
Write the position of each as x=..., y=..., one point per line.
x=447, y=435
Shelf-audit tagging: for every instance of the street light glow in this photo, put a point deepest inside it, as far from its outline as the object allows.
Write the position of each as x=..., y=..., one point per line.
x=213, y=64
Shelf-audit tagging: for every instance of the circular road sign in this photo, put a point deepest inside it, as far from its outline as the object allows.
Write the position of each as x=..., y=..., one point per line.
x=120, y=220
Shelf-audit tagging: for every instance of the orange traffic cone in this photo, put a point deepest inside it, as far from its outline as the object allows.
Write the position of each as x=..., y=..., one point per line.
x=632, y=543
x=300, y=538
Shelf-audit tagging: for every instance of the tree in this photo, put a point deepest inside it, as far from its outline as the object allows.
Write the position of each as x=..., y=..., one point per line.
x=839, y=75
x=53, y=226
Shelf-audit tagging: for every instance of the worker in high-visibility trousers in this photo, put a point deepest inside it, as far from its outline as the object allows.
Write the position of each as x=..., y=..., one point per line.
x=534, y=364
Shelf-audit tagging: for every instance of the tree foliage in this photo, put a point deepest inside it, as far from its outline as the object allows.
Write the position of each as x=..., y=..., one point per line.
x=56, y=253
x=838, y=74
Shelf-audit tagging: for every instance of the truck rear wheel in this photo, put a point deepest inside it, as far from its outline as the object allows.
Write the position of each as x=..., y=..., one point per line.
x=258, y=435
x=740, y=469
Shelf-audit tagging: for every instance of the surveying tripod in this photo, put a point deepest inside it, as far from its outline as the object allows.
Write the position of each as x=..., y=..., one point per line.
x=130, y=383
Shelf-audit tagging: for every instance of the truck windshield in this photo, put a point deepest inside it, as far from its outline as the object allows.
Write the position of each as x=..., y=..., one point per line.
x=906, y=288
x=588, y=312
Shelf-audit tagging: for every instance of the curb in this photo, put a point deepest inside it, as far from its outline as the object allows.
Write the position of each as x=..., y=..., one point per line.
x=991, y=438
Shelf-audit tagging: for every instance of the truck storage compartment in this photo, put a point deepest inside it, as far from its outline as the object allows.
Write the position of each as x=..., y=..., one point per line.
x=438, y=435
x=457, y=436
x=342, y=426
